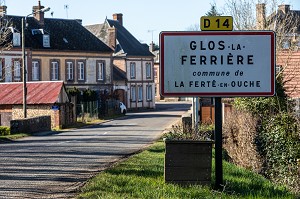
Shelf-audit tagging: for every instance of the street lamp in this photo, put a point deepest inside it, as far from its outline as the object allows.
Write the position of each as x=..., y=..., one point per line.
x=24, y=62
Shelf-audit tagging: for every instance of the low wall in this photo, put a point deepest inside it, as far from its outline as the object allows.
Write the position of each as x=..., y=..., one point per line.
x=30, y=125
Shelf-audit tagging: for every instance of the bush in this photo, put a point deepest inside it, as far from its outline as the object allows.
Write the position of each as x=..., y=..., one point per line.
x=280, y=147
x=276, y=136
x=4, y=130
x=239, y=140
x=179, y=132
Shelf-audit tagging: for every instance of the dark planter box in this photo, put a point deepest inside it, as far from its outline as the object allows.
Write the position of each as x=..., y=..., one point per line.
x=188, y=162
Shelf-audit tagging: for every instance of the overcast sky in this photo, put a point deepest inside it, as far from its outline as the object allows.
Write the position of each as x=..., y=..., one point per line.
x=143, y=19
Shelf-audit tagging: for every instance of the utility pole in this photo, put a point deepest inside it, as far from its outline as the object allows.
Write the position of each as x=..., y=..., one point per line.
x=24, y=61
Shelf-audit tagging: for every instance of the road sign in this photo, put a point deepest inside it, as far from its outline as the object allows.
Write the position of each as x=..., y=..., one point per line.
x=216, y=23
x=239, y=63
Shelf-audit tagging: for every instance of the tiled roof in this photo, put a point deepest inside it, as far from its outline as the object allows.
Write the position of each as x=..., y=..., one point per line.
x=65, y=34
x=289, y=62
x=37, y=92
x=126, y=42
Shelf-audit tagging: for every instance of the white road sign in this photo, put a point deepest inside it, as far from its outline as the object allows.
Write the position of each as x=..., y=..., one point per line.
x=238, y=63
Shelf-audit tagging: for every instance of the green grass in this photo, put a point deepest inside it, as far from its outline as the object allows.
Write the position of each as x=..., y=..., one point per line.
x=13, y=136
x=142, y=176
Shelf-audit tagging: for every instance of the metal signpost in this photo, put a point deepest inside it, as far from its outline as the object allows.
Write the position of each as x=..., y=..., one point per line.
x=217, y=64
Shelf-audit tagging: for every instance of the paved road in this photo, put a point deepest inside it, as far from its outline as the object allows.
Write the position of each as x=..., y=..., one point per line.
x=57, y=165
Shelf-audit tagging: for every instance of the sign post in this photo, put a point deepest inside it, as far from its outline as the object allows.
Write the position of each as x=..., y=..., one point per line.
x=217, y=64
x=215, y=23
x=218, y=143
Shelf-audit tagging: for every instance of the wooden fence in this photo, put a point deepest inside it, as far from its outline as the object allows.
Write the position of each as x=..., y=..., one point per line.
x=207, y=113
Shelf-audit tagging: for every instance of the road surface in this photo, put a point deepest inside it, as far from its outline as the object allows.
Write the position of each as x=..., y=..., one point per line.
x=57, y=164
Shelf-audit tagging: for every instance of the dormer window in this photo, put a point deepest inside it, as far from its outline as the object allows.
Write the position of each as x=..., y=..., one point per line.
x=37, y=31
x=45, y=36
x=46, y=41
x=16, y=39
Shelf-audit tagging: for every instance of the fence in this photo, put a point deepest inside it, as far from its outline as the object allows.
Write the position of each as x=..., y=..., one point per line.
x=87, y=111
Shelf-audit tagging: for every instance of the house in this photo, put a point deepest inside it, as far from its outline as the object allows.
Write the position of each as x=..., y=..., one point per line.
x=132, y=58
x=43, y=98
x=57, y=50
x=286, y=23
x=288, y=63
x=155, y=52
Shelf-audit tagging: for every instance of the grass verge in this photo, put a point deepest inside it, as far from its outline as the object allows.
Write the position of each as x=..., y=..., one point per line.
x=142, y=176
x=7, y=138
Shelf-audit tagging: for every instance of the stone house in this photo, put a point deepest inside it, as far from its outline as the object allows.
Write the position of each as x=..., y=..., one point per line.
x=132, y=58
x=57, y=50
x=43, y=98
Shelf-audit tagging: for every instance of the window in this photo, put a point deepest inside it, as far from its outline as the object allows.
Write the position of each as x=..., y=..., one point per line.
x=54, y=70
x=81, y=71
x=69, y=70
x=149, y=92
x=16, y=39
x=35, y=70
x=17, y=70
x=46, y=41
x=37, y=32
x=132, y=70
x=100, y=70
x=133, y=96
x=148, y=70
x=140, y=93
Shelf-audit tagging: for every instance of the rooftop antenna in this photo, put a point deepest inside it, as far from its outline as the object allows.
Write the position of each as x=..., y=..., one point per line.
x=151, y=33
x=66, y=7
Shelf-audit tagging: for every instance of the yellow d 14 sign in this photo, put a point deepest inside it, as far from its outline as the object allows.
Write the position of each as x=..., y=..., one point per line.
x=216, y=23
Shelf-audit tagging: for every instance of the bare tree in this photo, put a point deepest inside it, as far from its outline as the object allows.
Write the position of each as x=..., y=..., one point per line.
x=243, y=13
x=5, y=34
x=6, y=43
x=265, y=16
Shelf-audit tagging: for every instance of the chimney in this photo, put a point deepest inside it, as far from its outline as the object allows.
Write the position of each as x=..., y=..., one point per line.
x=118, y=17
x=112, y=37
x=284, y=8
x=260, y=16
x=38, y=15
x=3, y=10
x=151, y=47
